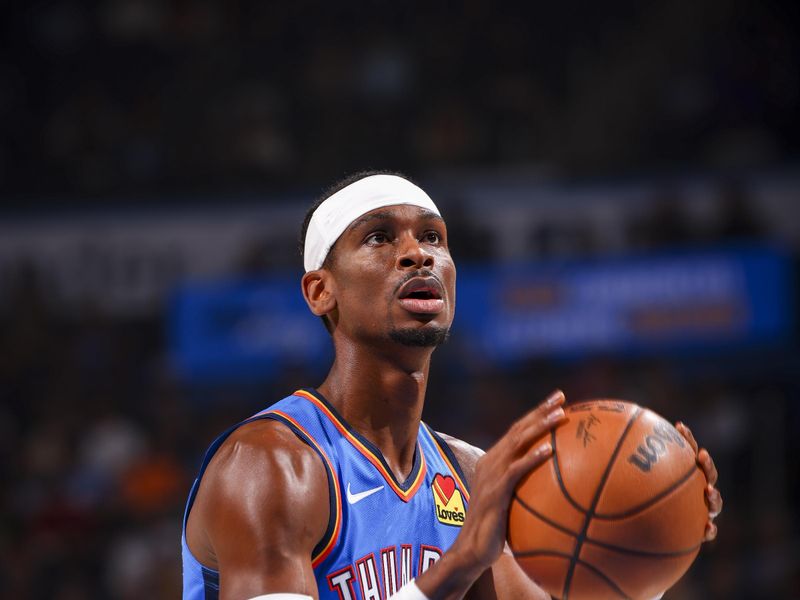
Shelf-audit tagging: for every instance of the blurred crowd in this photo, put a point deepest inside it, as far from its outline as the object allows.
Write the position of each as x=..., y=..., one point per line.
x=126, y=97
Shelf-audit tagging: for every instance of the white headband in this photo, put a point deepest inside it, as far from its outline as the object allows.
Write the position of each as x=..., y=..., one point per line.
x=336, y=213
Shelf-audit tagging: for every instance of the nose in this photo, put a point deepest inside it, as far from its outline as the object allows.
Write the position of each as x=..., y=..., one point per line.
x=412, y=255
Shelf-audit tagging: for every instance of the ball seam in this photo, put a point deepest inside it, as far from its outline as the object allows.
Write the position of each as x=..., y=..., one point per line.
x=590, y=512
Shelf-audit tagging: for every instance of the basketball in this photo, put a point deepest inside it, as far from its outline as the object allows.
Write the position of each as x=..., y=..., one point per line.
x=618, y=511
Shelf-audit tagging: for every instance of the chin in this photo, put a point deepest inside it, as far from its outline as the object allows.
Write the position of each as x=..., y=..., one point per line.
x=425, y=337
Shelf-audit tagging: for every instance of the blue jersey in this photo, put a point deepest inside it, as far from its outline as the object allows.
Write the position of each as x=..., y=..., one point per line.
x=381, y=532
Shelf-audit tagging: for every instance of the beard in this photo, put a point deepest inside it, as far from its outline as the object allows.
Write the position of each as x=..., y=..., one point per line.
x=421, y=338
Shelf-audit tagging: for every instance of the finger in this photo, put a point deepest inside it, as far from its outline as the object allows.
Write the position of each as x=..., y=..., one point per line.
x=545, y=416
x=687, y=433
x=710, y=532
x=714, y=501
x=547, y=422
x=518, y=441
x=552, y=401
x=707, y=464
x=552, y=404
x=529, y=461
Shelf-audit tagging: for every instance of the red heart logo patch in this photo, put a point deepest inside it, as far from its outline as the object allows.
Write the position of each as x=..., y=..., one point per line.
x=444, y=485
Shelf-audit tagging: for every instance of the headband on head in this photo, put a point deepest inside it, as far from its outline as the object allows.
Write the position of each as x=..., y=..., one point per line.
x=335, y=214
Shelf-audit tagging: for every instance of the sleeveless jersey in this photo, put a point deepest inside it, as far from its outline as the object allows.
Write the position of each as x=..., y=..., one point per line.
x=381, y=532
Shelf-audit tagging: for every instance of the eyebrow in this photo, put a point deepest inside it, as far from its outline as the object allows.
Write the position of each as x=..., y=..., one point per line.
x=389, y=214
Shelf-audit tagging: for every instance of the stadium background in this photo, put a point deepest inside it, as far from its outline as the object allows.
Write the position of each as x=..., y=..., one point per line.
x=156, y=159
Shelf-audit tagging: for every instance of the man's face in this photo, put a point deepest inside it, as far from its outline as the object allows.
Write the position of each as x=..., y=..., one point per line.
x=395, y=277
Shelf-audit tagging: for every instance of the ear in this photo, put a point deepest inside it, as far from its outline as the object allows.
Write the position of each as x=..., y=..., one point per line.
x=318, y=290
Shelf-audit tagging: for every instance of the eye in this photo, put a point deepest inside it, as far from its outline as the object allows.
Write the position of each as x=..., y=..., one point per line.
x=376, y=238
x=432, y=237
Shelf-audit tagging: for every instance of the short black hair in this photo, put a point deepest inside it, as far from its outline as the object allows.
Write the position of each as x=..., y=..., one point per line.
x=330, y=191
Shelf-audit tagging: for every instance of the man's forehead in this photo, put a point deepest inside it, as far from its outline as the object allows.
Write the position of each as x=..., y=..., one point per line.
x=394, y=212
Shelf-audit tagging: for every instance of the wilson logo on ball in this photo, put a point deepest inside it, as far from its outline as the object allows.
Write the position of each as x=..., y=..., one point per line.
x=655, y=445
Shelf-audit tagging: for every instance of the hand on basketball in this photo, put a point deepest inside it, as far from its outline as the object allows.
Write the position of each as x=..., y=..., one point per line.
x=713, y=497
x=498, y=472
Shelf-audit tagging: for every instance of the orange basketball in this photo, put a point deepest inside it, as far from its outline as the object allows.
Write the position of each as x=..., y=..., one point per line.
x=617, y=512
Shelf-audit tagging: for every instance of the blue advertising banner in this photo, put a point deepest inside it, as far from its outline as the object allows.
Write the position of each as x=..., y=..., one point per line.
x=686, y=300
x=714, y=299
x=244, y=330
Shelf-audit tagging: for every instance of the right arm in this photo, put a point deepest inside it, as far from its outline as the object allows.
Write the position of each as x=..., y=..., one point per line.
x=483, y=537
x=261, y=508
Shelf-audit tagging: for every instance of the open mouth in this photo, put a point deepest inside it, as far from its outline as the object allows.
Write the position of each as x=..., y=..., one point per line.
x=422, y=296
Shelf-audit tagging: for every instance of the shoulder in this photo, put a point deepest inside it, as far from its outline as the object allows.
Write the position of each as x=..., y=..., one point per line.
x=266, y=457
x=466, y=454
x=263, y=445
x=262, y=474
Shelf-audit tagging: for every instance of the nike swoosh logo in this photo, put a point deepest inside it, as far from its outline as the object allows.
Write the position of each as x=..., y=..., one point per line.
x=353, y=498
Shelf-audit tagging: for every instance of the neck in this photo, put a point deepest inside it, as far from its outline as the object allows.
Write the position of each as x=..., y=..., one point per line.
x=381, y=395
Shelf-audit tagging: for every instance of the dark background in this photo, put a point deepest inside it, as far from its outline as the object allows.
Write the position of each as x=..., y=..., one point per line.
x=679, y=119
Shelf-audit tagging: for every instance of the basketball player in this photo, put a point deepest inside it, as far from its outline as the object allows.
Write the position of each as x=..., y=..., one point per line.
x=342, y=492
